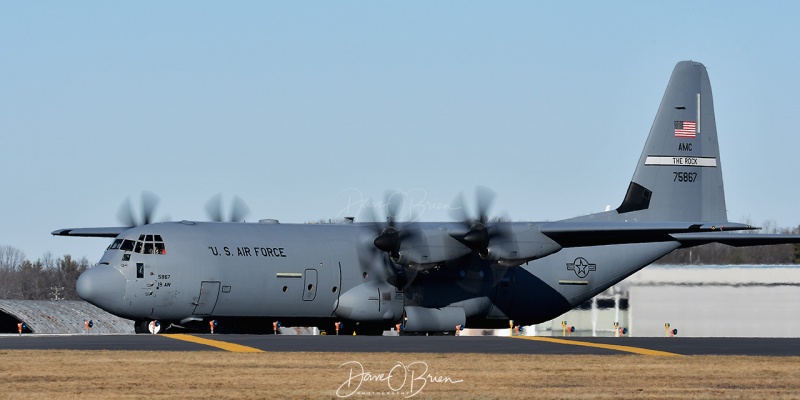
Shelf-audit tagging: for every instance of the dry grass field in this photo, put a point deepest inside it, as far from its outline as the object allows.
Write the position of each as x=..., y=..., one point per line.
x=139, y=374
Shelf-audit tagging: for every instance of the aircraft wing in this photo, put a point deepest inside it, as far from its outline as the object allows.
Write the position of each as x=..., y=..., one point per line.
x=580, y=234
x=109, y=232
x=734, y=239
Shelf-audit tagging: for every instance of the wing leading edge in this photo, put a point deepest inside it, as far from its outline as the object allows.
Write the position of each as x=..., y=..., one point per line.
x=109, y=232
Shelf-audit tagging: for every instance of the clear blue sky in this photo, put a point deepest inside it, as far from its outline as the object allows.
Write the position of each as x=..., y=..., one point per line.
x=301, y=108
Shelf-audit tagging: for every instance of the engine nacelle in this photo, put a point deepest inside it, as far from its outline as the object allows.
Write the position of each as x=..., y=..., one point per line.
x=430, y=247
x=423, y=319
x=526, y=244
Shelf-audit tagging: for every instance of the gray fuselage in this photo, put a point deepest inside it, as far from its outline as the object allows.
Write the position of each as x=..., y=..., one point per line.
x=329, y=272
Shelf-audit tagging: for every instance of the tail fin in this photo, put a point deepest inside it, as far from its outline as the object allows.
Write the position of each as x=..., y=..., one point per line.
x=679, y=174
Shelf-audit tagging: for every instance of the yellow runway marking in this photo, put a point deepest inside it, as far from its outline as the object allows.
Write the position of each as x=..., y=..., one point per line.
x=236, y=348
x=627, y=349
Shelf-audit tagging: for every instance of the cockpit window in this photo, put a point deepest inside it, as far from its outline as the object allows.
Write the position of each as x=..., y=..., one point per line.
x=127, y=245
x=147, y=244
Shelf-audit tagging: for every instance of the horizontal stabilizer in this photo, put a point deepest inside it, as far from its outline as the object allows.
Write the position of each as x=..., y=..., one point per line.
x=580, y=234
x=734, y=239
x=109, y=232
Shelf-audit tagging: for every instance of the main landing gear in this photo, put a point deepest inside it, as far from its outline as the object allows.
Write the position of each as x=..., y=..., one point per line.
x=147, y=326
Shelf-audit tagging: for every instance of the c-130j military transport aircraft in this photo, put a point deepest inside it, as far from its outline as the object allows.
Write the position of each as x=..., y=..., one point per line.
x=429, y=276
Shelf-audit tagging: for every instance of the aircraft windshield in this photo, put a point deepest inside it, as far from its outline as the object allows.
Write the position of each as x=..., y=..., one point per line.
x=147, y=244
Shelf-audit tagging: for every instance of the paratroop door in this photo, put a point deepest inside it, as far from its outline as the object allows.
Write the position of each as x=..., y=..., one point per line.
x=207, y=300
x=310, y=287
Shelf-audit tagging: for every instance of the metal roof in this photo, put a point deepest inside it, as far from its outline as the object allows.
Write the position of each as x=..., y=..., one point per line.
x=716, y=275
x=43, y=316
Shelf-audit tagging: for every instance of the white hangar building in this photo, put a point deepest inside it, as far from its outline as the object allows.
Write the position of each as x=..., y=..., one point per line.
x=698, y=301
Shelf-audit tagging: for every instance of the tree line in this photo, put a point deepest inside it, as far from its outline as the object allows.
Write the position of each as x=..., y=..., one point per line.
x=46, y=278
x=50, y=278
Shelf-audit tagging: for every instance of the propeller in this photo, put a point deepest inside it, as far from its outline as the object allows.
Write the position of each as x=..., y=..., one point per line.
x=484, y=197
x=238, y=210
x=388, y=238
x=479, y=231
x=128, y=216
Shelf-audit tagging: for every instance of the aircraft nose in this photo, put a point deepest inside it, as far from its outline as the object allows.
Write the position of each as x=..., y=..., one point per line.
x=102, y=286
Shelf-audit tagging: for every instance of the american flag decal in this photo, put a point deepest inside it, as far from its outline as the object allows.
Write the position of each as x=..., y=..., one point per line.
x=685, y=129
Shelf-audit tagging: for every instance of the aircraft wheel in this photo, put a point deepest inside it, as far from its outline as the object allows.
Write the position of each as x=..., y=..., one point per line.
x=141, y=326
x=148, y=326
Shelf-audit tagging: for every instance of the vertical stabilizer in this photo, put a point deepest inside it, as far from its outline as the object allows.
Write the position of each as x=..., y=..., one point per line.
x=679, y=174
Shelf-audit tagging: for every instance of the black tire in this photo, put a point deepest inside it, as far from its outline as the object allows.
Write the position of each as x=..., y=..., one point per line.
x=141, y=326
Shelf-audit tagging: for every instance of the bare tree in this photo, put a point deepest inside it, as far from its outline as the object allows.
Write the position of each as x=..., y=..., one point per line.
x=67, y=274
x=10, y=260
x=34, y=281
x=11, y=257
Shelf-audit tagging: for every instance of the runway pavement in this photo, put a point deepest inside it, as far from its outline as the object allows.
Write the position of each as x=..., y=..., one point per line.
x=410, y=344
